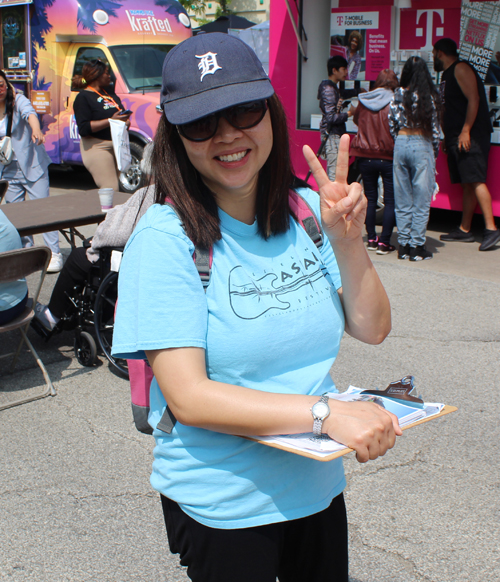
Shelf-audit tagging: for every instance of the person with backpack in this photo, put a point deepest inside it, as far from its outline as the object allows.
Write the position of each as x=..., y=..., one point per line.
x=250, y=353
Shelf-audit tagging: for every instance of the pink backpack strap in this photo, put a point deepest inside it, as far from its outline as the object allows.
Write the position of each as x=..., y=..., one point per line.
x=202, y=257
x=306, y=217
x=140, y=375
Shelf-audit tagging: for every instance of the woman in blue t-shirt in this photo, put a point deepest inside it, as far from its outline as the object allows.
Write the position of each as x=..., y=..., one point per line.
x=252, y=354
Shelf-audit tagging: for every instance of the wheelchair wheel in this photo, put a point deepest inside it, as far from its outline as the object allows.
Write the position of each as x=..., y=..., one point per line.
x=85, y=349
x=104, y=319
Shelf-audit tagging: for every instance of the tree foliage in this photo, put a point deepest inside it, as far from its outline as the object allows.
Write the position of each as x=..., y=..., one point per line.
x=199, y=7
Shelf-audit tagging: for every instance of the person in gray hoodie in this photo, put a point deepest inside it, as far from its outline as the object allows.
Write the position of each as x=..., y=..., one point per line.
x=374, y=148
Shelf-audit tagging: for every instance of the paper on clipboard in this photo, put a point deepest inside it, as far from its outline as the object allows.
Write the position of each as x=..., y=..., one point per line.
x=326, y=449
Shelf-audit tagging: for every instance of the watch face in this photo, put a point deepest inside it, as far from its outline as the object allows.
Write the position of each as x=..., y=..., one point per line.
x=320, y=410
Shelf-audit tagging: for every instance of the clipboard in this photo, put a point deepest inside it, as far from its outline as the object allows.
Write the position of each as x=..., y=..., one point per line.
x=311, y=455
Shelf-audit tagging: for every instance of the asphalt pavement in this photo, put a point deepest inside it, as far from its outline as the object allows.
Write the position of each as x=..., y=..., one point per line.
x=75, y=499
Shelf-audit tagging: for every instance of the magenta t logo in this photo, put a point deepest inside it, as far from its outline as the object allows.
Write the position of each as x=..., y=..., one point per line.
x=431, y=28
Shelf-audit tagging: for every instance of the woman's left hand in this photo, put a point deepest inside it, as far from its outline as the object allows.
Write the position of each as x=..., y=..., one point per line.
x=37, y=136
x=343, y=205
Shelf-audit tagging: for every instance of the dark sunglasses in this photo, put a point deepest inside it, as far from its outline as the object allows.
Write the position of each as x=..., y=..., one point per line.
x=242, y=116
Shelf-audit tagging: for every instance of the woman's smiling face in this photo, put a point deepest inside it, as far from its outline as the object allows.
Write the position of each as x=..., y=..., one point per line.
x=230, y=161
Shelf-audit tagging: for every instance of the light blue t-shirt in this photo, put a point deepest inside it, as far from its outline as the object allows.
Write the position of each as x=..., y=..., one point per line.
x=13, y=292
x=271, y=320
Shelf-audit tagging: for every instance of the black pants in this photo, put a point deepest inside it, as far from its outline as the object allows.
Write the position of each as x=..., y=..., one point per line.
x=370, y=170
x=312, y=549
x=74, y=272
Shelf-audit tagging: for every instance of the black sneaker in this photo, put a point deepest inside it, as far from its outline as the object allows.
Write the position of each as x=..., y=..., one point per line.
x=373, y=244
x=403, y=252
x=420, y=253
x=384, y=249
x=490, y=239
x=458, y=235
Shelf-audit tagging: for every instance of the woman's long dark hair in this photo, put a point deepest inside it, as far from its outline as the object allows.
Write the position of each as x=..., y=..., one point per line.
x=177, y=181
x=415, y=78
x=10, y=97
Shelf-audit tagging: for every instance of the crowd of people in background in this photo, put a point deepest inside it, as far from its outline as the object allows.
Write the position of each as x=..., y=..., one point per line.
x=398, y=142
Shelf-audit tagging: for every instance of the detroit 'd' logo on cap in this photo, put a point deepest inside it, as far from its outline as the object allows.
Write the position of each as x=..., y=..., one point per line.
x=208, y=64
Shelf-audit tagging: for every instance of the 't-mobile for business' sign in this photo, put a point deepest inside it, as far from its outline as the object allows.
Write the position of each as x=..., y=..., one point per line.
x=353, y=19
x=375, y=28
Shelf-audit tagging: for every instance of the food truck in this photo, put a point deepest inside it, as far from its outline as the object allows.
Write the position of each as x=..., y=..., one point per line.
x=303, y=35
x=44, y=43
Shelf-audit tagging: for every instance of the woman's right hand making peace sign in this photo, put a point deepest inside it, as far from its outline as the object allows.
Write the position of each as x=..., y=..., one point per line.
x=343, y=205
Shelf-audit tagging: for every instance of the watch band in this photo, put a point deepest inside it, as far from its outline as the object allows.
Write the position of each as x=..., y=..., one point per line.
x=318, y=422
x=317, y=426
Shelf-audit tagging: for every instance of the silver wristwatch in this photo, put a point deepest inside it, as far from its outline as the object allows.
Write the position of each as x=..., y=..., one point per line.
x=320, y=412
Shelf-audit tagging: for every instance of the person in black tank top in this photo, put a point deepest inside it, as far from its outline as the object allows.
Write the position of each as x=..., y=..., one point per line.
x=467, y=129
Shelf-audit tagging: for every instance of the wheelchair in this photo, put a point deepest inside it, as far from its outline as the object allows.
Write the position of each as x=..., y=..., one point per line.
x=92, y=310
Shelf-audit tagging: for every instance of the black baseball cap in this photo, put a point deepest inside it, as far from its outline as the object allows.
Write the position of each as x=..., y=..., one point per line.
x=210, y=72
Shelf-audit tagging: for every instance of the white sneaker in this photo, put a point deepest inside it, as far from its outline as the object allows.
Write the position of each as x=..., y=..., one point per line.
x=56, y=263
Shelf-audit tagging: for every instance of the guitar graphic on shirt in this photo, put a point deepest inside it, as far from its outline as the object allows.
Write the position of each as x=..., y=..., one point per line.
x=250, y=298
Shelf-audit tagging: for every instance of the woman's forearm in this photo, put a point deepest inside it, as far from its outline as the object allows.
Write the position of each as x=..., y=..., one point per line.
x=195, y=400
x=99, y=125
x=34, y=123
x=36, y=131
x=224, y=407
x=366, y=305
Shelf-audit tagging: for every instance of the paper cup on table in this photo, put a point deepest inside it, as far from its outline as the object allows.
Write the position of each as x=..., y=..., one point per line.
x=106, y=198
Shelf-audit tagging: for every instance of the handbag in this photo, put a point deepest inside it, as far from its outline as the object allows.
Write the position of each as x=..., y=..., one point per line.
x=6, y=151
x=121, y=144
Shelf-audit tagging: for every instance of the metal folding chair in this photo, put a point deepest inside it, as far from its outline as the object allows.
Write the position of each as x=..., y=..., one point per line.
x=3, y=189
x=16, y=265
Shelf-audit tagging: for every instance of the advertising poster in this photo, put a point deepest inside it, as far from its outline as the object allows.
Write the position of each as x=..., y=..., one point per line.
x=41, y=101
x=419, y=29
x=479, y=27
x=363, y=36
